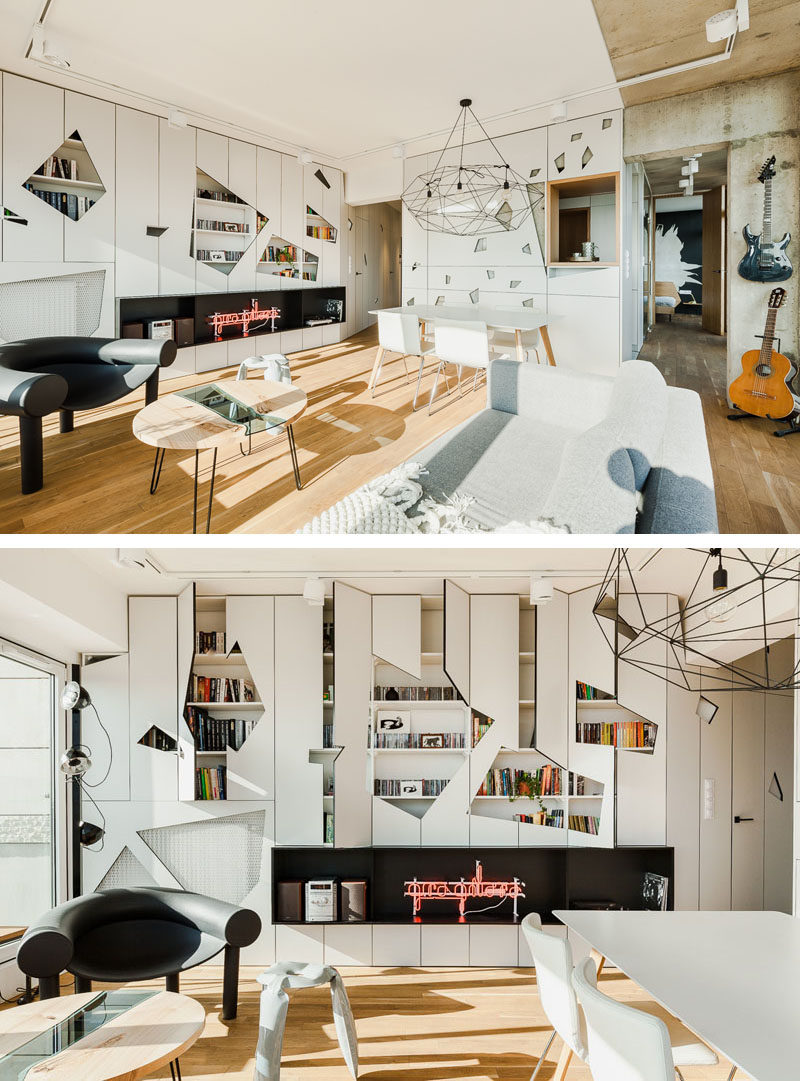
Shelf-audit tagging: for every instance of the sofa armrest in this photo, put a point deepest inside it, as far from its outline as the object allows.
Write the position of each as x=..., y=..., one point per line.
x=678, y=496
x=575, y=399
x=30, y=394
x=139, y=351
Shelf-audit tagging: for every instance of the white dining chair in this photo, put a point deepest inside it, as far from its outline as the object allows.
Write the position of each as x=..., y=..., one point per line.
x=552, y=959
x=466, y=345
x=399, y=332
x=505, y=341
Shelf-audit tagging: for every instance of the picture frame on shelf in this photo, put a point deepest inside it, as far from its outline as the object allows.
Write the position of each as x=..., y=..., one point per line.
x=215, y=256
x=395, y=721
x=411, y=788
x=432, y=741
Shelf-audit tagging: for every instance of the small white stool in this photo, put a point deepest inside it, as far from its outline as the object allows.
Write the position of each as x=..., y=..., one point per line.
x=275, y=366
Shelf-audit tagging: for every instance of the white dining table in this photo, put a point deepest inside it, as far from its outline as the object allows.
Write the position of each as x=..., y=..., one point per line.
x=517, y=320
x=731, y=977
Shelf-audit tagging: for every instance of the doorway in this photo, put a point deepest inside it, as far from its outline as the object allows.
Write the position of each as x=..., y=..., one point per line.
x=375, y=255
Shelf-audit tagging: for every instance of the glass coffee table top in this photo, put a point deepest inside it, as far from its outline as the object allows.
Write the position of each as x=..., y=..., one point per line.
x=102, y=1008
x=224, y=404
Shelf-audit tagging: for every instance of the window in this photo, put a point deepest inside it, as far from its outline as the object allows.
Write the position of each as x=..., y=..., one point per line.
x=29, y=685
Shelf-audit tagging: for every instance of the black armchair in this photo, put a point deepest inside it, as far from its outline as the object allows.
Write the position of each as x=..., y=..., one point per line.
x=140, y=933
x=40, y=375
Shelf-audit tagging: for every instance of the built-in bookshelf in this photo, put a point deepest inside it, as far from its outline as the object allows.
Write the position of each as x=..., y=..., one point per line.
x=527, y=673
x=318, y=228
x=68, y=180
x=602, y=721
x=224, y=225
x=281, y=258
x=325, y=755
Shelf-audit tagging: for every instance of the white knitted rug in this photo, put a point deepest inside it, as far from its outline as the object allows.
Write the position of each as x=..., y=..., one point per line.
x=394, y=503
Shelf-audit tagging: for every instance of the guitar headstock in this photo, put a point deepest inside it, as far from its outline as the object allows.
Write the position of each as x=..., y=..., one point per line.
x=776, y=298
x=767, y=169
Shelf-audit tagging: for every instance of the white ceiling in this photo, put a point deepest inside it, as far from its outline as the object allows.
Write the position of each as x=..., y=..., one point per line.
x=338, y=77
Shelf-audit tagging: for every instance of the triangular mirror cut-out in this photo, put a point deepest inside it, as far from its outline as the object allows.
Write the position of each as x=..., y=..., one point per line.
x=159, y=740
x=126, y=872
x=219, y=857
x=475, y=296
x=526, y=249
x=587, y=157
x=775, y=788
x=410, y=302
x=529, y=302
x=576, y=136
x=156, y=230
x=322, y=178
x=490, y=274
x=534, y=172
x=318, y=228
x=281, y=258
x=559, y=163
x=607, y=121
x=67, y=180
x=481, y=245
x=11, y=216
x=224, y=225
x=514, y=283
x=439, y=300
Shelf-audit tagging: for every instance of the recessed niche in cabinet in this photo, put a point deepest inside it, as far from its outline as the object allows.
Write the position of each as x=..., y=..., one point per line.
x=602, y=721
x=159, y=740
x=318, y=228
x=582, y=210
x=310, y=266
x=224, y=226
x=67, y=180
x=281, y=259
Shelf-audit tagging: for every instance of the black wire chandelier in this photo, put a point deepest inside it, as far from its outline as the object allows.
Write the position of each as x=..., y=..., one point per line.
x=758, y=609
x=468, y=199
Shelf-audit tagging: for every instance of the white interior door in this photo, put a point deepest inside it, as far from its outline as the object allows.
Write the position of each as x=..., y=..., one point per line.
x=747, y=842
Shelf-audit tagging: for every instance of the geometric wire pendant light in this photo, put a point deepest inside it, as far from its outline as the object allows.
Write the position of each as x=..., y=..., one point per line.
x=468, y=199
x=756, y=610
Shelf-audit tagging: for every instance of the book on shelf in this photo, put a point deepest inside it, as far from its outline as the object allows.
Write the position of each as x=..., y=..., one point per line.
x=157, y=739
x=586, y=693
x=219, y=196
x=415, y=694
x=508, y=782
x=275, y=254
x=418, y=741
x=328, y=828
x=552, y=818
x=210, y=782
x=214, y=225
x=327, y=735
x=327, y=637
x=209, y=642
x=585, y=824
x=321, y=232
x=221, y=689
x=577, y=784
x=73, y=206
x=418, y=788
x=218, y=733
x=212, y=255
x=480, y=726
x=59, y=168
x=628, y=735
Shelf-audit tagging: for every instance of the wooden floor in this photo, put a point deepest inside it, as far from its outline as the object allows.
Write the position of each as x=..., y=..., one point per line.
x=413, y=1024
x=97, y=478
x=757, y=476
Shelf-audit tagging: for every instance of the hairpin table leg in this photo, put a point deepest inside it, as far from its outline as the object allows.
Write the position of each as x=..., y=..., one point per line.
x=293, y=450
x=156, y=477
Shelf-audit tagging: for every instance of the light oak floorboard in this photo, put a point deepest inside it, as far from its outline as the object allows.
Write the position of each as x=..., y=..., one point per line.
x=435, y=1024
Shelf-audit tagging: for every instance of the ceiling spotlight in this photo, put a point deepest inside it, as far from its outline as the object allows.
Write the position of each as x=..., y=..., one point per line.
x=541, y=590
x=74, y=696
x=719, y=581
x=74, y=762
x=177, y=119
x=314, y=592
x=558, y=112
x=133, y=559
x=305, y=157
x=706, y=709
x=723, y=25
x=39, y=50
x=398, y=151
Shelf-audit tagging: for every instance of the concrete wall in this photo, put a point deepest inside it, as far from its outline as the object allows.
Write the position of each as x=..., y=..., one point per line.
x=755, y=119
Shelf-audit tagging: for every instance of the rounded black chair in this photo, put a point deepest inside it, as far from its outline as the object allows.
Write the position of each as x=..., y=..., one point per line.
x=140, y=933
x=41, y=375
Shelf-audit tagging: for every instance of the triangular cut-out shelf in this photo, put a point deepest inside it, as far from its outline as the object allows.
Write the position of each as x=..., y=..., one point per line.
x=318, y=228
x=224, y=225
x=159, y=740
x=67, y=179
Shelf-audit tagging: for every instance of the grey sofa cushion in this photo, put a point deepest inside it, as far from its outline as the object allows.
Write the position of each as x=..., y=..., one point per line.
x=594, y=490
x=575, y=401
x=637, y=414
x=506, y=463
x=679, y=493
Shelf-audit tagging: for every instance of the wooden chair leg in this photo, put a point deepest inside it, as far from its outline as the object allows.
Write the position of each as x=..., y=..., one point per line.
x=376, y=367
x=564, y=1059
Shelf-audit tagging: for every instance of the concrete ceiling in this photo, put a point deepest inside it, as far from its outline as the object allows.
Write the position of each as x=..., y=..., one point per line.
x=647, y=35
x=339, y=78
x=664, y=173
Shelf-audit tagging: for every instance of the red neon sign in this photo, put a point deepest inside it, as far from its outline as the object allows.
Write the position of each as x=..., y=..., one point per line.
x=477, y=886
x=243, y=318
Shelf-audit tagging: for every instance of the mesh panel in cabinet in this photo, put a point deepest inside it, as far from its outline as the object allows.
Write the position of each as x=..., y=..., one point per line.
x=39, y=307
x=219, y=857
x=126, y=871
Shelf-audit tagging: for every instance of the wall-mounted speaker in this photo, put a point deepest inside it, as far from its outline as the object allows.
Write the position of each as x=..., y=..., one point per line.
x=354, y=900
x=289, y=902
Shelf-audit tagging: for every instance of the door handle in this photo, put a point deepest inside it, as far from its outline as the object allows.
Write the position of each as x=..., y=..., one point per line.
x=738, y=818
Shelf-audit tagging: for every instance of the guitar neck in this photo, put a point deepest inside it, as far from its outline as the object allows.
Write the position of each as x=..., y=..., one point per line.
x=766, y=230
x=769, y=335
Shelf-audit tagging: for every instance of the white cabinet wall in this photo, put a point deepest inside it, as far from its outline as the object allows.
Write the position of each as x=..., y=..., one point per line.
x=552, y=687
x=352, y=693
x=92, y=239
x=250, y=623
x=137, y=203
x=153, y=674
x=456, y=638
x=397, y=632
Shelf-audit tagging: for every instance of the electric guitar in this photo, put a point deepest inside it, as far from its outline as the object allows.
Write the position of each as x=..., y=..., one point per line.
x=762, y=389
x=766, y=260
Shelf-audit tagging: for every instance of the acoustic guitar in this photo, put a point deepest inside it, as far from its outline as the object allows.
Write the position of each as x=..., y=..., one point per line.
x=761, y=390
x=766, y=260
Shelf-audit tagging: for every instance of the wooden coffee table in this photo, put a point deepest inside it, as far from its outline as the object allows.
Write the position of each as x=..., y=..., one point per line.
x=99, y=1036
x=214, y=415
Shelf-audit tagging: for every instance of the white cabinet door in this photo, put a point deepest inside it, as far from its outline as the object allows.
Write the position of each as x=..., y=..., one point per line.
x=684, y=793
x=716, y=744
x=552, y=678
x=92, y=238
x=493, y=947
x=33, y=129
x=137, y=203
x=352, y=693
x=242, y=180
x=176, y=187
x=292, y=206
x=250, y=622
x=187, y=759
x=446, y=822
x=268, y=191
x=348, y=944
x=212, y=158
x=397, y=632
x=298, y=722
x=153, y=643
x=107, y=683
x=747, y=801
x=591, y=657
x=494, y=664
x=300, y=943
x=392, y=826
x=445, y=944
x=395, y=944
x=456, y=638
